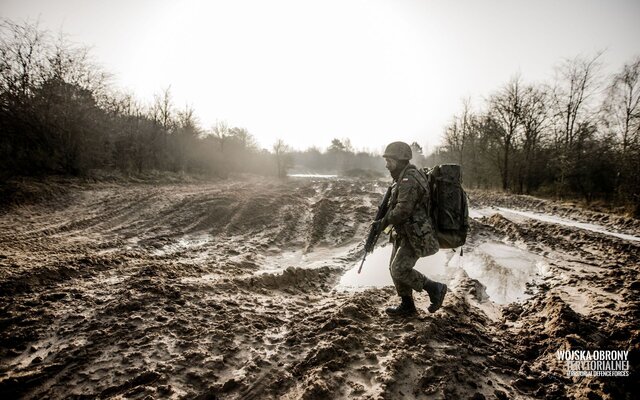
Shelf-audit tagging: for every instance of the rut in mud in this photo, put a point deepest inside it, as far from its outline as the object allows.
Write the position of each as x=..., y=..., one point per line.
x=246, y=289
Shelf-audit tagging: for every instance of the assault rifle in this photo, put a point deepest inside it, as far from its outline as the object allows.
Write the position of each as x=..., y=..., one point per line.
x=375, y=229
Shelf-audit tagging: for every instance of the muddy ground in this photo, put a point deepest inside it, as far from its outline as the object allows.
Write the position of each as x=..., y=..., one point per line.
x=231, y=290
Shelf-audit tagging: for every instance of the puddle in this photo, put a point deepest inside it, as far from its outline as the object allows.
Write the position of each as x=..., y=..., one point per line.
x=504, y=269
x=518, y=216
x=375, y=272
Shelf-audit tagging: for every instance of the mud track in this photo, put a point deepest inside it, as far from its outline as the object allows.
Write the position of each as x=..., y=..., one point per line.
x=207, y=291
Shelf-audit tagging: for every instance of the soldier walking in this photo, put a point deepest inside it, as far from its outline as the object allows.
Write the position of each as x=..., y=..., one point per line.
x=412, y=232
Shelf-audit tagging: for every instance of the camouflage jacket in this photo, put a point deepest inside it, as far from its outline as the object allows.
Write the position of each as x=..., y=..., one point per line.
x=408, y=213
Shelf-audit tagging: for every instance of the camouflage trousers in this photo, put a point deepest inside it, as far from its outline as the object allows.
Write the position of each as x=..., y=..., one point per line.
x=403, y=259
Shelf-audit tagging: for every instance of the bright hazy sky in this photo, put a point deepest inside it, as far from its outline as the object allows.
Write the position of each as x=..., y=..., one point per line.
x=307, y=71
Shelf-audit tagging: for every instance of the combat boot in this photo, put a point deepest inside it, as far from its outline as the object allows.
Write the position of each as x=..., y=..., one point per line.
x=406, y=308
x=436, y=291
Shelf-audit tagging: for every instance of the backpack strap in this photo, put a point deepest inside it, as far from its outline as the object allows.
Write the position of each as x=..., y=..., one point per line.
x=425, y=185
x=425, y=176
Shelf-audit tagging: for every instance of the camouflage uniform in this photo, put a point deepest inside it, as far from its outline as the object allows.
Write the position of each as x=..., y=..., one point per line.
x=413, y=235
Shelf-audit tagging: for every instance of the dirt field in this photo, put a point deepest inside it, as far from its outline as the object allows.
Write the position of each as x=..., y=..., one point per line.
x=236, y=290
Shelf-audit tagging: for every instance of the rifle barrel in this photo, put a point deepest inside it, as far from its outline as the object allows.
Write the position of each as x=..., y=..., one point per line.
x=362, y=263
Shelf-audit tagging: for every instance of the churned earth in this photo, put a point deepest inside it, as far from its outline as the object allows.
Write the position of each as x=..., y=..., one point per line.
x=246, y=289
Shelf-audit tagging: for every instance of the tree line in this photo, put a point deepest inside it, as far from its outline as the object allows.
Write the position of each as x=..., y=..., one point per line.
x=578, y=135
x=59, y=115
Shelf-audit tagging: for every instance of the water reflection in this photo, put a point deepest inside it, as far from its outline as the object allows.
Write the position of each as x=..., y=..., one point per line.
x=504, y=269
x=375, y=272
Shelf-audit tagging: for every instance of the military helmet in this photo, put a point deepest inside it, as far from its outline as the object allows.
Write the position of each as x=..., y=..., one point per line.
x=398, y=151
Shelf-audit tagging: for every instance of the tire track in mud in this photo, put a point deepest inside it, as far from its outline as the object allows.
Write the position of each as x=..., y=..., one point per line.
x=624, y=224
x=65, y=234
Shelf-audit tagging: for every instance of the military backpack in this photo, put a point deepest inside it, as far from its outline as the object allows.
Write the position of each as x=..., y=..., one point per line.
x=448, y=204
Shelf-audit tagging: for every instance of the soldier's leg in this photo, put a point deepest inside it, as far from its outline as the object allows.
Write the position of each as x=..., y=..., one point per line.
x=405, y=278
x=400, y=289
x=394, y=250
x=406, y=307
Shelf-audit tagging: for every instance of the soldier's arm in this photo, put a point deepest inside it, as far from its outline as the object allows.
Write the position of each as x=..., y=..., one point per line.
x=408, y=195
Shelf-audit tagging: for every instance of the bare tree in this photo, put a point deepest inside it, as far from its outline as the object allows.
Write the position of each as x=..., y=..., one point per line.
x=282, y=153
x=506, y=109
x=23, y=64
x=576, y=84
x=184, y=136
x=623, y=105
x=465, y=126
x=162, y=109
x=453, y=137
x=622, y=115
x=534, y=117
x=458, y=131
x=73, y=64
x=221, y=132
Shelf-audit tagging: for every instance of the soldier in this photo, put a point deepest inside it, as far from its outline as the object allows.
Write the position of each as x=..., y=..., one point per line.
x=412, y=234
